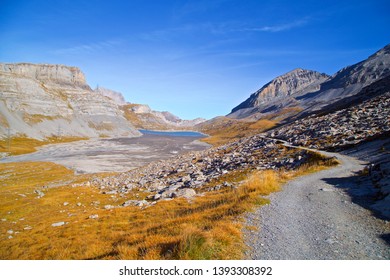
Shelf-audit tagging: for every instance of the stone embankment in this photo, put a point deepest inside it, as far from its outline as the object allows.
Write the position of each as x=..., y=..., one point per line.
x=341, y=129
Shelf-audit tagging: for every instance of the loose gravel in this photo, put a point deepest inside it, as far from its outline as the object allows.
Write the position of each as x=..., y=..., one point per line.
x=313, y=217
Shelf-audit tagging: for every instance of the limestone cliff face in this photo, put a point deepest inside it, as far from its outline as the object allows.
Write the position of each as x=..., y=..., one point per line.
x=41, y=100
x=58, y=74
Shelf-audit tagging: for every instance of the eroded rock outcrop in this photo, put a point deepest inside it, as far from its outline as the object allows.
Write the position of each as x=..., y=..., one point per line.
x=114, y=95
x=41, y=100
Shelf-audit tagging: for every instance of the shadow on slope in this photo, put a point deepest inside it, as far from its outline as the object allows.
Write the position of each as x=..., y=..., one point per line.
x=363, y=193
x=360, y=189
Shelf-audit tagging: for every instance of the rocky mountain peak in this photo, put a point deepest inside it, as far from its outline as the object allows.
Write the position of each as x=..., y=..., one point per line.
x=287, y=84
x=365, y=72
x=384, y=51
x=309, y=91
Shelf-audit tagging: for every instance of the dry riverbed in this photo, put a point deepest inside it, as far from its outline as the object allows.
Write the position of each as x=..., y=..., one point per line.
x=112, y=155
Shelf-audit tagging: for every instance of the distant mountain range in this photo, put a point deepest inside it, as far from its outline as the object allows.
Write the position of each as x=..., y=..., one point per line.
x=301, y=92
x=43, y=100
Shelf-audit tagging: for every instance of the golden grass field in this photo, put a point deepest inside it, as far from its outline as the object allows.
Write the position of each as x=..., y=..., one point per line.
x=207, y=227
x=224, y=130
x=23, y=145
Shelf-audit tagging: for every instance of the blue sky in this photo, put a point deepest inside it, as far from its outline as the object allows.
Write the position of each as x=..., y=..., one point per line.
x=192, y=58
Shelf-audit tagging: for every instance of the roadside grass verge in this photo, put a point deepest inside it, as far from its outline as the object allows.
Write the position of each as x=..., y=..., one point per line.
x=206, y=227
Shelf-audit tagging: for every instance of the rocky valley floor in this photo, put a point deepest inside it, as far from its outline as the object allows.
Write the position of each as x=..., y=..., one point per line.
x=112, y=155
x=187, y=198
x=154, y=211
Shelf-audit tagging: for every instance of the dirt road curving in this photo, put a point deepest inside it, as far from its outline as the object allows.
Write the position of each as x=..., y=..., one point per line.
x=313, y=217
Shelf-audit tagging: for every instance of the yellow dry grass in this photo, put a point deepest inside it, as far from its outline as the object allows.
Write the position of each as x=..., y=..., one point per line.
x=285, y=113
x=23, y=145
x=262, y=125
x=102, y=126
x=37, y=118
x=207, y=227
x=3, y=121
x=224, y=130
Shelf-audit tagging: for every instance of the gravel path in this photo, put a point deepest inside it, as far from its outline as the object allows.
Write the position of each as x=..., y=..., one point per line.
x=314, y=218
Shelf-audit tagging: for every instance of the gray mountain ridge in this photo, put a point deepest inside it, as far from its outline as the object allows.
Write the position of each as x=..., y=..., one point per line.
x=311, y=91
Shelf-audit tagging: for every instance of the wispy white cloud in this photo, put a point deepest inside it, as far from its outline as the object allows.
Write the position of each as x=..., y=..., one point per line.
x=280, y=27
x=220, y=28
x=88, y=48
x=176, y=32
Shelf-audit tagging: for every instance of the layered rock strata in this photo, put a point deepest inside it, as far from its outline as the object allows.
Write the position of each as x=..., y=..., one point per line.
x=41, y=100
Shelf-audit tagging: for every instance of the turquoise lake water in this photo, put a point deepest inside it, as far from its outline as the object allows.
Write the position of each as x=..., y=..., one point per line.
x=174, y=133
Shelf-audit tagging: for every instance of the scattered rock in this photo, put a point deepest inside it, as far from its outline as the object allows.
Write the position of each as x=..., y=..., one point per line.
x=326, y=190
x=111, y=192
x=139, y=203
x=95, y=203
x=330, y=241
x=95, y=216
x=182, y=175
x=58, y=224
x=186, y=193
x=66, y=203
x=39, y=193
x=341, y=128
